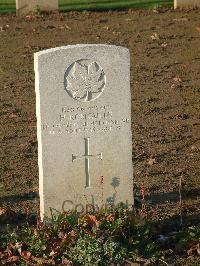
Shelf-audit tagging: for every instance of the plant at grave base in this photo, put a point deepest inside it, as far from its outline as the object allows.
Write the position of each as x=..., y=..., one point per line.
x=90, y=250
x=84, y=239
x=37, y=10
x=188, y=240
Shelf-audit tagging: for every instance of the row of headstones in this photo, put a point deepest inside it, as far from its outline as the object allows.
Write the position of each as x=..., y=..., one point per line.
x=26, y=6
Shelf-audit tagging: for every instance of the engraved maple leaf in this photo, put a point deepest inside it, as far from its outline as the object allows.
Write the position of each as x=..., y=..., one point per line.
x=84, y=80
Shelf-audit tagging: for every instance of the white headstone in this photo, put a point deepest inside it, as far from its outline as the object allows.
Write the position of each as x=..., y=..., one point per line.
x=28, y=6
x=84, y=127
x=186, y=3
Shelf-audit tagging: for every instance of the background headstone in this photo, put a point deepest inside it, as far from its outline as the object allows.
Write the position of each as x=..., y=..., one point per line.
x=84, y=126
x=186, y=3
x=28, y=6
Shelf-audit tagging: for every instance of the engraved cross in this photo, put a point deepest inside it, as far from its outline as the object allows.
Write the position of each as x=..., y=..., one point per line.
x=87, y=157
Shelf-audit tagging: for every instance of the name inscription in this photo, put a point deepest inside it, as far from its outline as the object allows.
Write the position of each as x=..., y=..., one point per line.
x=74, y=120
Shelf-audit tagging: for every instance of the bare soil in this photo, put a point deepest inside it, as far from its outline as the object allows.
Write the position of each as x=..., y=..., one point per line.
x=165, y=86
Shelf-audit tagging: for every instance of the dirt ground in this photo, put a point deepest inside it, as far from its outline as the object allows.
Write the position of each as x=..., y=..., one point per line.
x=165, y=87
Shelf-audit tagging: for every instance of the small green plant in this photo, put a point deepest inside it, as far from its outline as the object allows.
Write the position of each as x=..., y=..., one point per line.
x=98, y=238
x=90, y=250
x=188, y=235
x=90, y=239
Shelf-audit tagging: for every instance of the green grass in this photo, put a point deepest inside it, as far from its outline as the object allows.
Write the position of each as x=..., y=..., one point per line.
x=8, y=6
x=66, y=5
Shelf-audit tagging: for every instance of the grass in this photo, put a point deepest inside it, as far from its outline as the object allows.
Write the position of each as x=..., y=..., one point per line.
x=8, y=6
x=110, y=4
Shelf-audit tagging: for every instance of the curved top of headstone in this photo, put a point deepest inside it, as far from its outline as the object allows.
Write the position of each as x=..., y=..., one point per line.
x=52, y=50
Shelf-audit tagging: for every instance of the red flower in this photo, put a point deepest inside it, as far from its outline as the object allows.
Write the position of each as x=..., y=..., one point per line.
x=142, y=190
x=101, y=180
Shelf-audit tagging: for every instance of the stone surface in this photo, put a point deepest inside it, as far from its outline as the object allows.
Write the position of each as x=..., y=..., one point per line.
x=84, y=127
x=186, y=3
x=28, y=6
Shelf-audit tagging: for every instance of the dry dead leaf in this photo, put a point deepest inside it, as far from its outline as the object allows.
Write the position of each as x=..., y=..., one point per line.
x=43, y=261
x=177, y=79
x=151, y=161
x=8, y=250
x=155, y=36
x=13, y=116
x=194, y=248
x=67, y=27
x=110, y=218
x=26, y=255
x=180, y=19
x=164, y=45
x=173, y=86
x=12, y=259
x=92, y=220
x=66, y=262
x=198, y=29
x=18, y=246
x=72, y=233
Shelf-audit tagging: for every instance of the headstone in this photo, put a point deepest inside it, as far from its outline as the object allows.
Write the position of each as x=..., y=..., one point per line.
x=28, y=6
x=84, y=127
x=186, y=3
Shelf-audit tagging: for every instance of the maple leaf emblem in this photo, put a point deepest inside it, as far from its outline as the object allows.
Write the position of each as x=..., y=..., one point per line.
x=85, y=80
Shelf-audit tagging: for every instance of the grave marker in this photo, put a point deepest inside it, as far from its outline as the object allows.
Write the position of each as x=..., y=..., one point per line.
x=186, y=3
x=84, y=127
x=27, y=6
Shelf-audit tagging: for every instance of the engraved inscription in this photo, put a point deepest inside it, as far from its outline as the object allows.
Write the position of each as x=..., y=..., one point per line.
x=75, y=120
x=84, y=80
x=87, y=157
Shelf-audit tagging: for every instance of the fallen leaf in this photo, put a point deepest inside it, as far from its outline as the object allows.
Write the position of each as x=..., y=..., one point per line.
x=67, y=27
x=164, y=45
x=155, y=36
x=26, y=255
x=198, y=29
x=72, y=233
x=92, y=220
x=9, y=249
x=194, y=248
x=110, y=218
x=173, y=86
x=66, y=262
x=151, y=161
x=12, y=259
x=43, y=261
x=52, y=253
x=180, y=19
x=177, y=79
x=13, y=116
x=18, y=246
